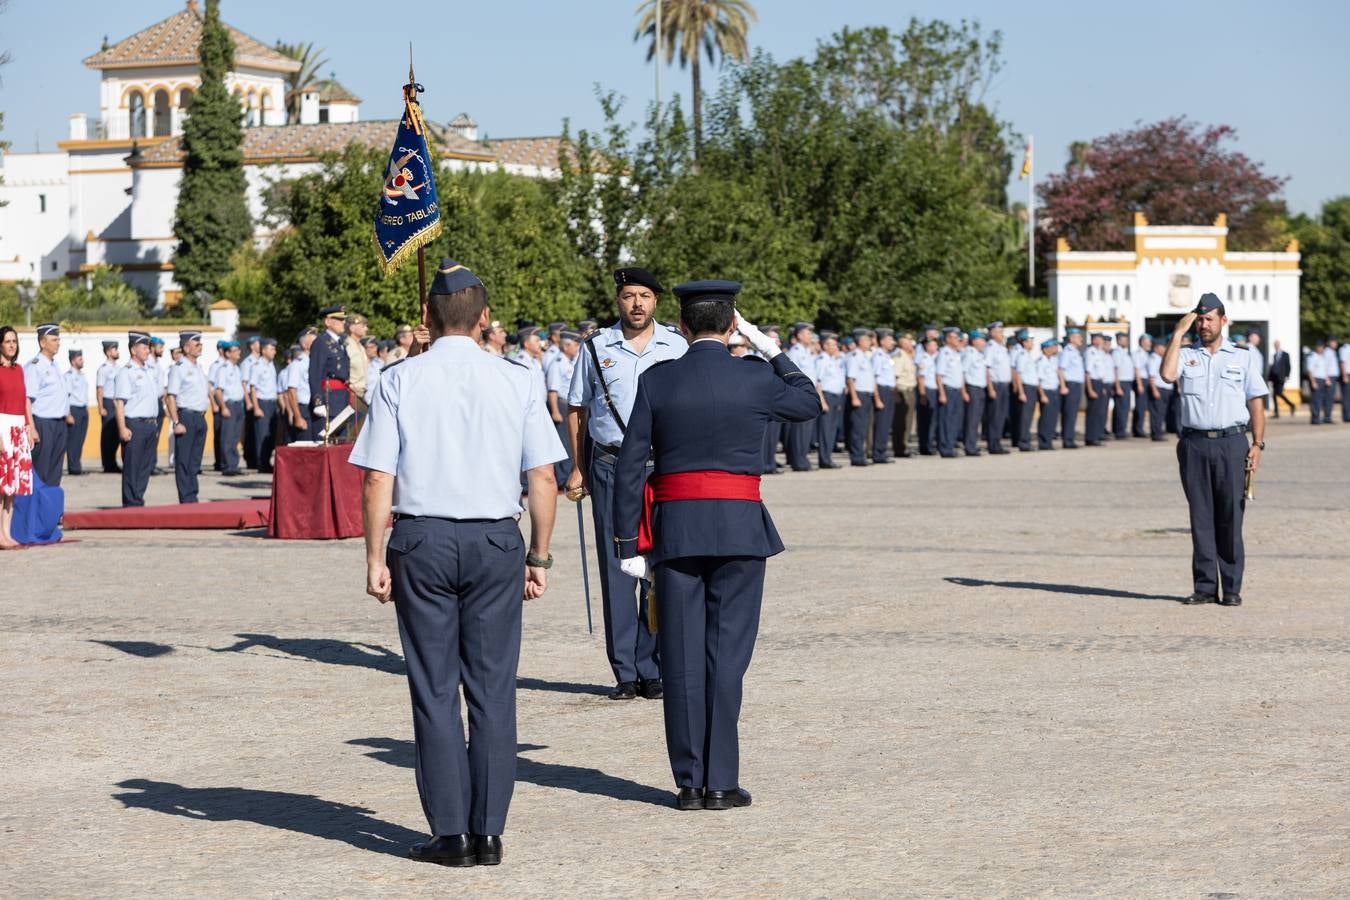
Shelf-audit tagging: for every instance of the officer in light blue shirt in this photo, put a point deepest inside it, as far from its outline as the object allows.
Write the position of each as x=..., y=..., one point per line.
x=46, y=389
x=600, y=400
x=975, y=368
x=925, y=367
x=1050, y=391
x=1072, y=373
x=1159, y=391
x=999, y=393
x=558, y=379
x=1221, y=393
x=77, y=420
x=797, y=435
x=862, y=398
x=229, y=395
x=448, y=434
x=1122, y=392
x=951, y=391
x=1025, y=385
x=296, y=393
x=109, y=442
x=260, y=386
x=1099, y=372
x=186, y=400
x=1140, y=356
x=832, y=382
x=883, y=371
x=136, y=394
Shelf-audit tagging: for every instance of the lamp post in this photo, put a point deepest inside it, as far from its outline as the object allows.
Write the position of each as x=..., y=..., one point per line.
x=27, y=299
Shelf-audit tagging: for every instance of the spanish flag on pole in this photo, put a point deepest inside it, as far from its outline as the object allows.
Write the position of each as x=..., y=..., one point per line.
x=1026, y=163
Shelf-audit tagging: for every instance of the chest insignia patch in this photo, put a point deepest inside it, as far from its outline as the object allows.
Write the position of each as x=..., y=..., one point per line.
x=1192, y=362
x=606, y=363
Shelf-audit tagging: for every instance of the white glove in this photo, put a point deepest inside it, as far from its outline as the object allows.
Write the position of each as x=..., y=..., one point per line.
x=635, y=566
x=767, y=346
x=320, y=411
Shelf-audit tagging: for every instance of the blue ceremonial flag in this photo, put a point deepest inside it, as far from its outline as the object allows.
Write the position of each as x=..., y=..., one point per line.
x=409, y=216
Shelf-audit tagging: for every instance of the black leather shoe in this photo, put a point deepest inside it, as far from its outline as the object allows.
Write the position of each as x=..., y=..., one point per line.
x=650, y=688
x=625, y=690
x=487, y=849
x=689, y=798
x=1231, y=600
x=447, y=850
x=726, y=799
x=1198, y=598
x=832, y=465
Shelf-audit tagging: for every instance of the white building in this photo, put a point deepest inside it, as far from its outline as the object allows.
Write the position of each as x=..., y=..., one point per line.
x=1148, y=289
x=109, y=194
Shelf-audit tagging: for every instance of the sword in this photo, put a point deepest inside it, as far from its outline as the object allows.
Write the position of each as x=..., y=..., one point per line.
x=1247, y=489
x=585, y=574
x=651, y=602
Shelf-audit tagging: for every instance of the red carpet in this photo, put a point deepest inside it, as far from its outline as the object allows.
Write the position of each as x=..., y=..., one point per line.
x=224, y=514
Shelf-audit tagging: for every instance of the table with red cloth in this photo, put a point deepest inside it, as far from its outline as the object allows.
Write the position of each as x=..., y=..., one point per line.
x=316, y=494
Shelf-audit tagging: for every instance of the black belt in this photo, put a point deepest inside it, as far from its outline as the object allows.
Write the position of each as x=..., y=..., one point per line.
x=142, y=418
x=401, y=517
x=611, y=449
x=1213, y=432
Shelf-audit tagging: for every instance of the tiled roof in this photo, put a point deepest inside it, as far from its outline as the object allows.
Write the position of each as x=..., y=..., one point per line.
x=330, y=91
x=290, y=142
x=530, y=151
x=174, y=41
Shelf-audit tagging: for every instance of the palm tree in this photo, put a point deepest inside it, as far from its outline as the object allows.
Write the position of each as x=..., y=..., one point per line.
x=311, y=59
x=694, y=27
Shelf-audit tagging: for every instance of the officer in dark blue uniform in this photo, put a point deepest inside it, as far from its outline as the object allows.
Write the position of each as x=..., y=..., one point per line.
x=702, y=417
x=329, y=369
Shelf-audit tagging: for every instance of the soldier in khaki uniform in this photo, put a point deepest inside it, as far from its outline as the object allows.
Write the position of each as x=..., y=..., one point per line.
x=906, y=383
x=357, y=327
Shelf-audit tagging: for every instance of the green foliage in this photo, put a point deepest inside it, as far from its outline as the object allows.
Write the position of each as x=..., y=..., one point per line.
x=212, y=218
x=1024, y=311
x=107, y=299
x=1325, y=244
x=246, y=284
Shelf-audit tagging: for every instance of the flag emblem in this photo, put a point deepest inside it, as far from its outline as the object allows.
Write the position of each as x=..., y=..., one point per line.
x=408, y=216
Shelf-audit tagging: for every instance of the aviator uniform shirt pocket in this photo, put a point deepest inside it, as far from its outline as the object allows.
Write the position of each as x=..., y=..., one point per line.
x=1193, y=380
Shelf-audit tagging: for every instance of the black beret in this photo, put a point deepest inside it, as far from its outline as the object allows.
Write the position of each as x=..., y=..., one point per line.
x=638, y=276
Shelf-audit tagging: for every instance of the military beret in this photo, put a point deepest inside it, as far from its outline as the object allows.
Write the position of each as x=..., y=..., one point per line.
x=587, y=324
x=185, y=336
x=1146, y=337
x=387, y=344
x=1097, y=334
x=710, y=291
x=1048, y=343
x=109, y=345
x=828, y=335
x=1320, y=342
x=992, y=325
x=228, y=345
x=885, y=332
x=137, y=337
x=269, y=342
x=1071, y=330
x=333, y=312
x=1123, y=334
x=638, y=276
x=847, y=339
x=451, y=278
x=568, y=335
x=222, y=344
x=48, y=328
x=1023, y=334
x=951, y=329
x=978, y=333
x=156, y=340
x=252, y=339
x=71, y=354
x=1209, y=302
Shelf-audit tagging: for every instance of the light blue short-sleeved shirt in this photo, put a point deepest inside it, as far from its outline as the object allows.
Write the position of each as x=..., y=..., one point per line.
x=1024, y=361
x=230, y=381
x=213, y=371
x=187, y=384
x=1333, y=365
x=805, y=360
x=297, y=378
x=883, y=368
x=1344, y=354
x=246, y=367
x=999, y=361
x=925, y=364
x=1123, y=361
x=103, y=378
x=1071, y=363
x=1140, y=358
x=1155, y=372
x=262, y=377
x=1047, y=373
x=830, y=373
x=948, y=366
x=858, y=366
x=620, y=366
x=975, y=367
x=456, y=427
x=1215, y=387
x=77, y=390
x=46, y=388
x=558, y=377
x=138, y=389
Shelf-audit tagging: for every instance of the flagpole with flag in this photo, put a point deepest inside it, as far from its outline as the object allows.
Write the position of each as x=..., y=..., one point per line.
x=1029, y=173
x=409, y=215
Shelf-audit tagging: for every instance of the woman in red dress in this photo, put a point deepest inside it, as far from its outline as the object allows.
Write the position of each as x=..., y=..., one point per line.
x=17, y=435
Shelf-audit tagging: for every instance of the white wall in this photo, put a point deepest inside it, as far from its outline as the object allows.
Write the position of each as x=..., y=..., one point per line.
x=34, y=224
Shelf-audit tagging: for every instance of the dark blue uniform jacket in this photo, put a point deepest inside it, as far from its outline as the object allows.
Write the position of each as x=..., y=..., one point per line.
x=327, y=362
x=706, y=411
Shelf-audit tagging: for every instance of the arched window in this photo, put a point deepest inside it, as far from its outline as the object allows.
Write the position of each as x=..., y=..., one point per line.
x=264, y=107
x=163, y=115
x=1127, y=293
x=185, y=99
x=136, y=104
x=252, y=107
x=1265, y=292
x=1115, y=292
x=1089, y=296
x=1230, y=293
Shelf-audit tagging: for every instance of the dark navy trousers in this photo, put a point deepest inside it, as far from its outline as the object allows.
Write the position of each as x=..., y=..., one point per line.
x=1045, y=428
x=1141, y=399
x=927, y=422
x=857, y=426
x=797, y=441
x=882, y=421
x=1120, y=411
x=1157, y=414
x=1068, y=413
x=827, y=428
x=230, y=430
x=996, y=415
x=458, y=589
x=138, y=459
x=263, y=441
x=773, y=436
x=951, y=419
x=708, y=609
x=974, y=417
x=187, y=453
x=1026, y=416
x=49, y=456
x=1213, y=476
x=631, y=647
x=1094, y=428
x=108, y=438
x=75, y=433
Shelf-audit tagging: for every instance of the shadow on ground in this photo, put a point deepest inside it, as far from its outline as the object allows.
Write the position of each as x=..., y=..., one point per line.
x=582, y=780
x=1077, y=589
x=301, y=813
x=144, y=649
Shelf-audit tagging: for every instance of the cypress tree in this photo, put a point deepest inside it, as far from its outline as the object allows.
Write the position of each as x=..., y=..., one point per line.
x=212, y=219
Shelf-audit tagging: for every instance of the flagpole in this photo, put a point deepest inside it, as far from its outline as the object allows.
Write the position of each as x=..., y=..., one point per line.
x=410, y=94
x=657, y=136
x=1031, y=217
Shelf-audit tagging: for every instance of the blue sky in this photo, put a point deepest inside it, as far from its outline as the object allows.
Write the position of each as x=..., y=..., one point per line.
x=1279, y=73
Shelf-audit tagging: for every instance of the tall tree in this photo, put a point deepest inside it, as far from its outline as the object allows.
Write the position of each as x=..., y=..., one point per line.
x=1175, y=172
x=1325, y=244
x=212, y=218
x=311, y=59
x=692, y=28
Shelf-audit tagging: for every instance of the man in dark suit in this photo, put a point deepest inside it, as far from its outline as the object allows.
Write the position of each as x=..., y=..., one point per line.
x=329, y=369
x=699, y=525
x=1279, y=373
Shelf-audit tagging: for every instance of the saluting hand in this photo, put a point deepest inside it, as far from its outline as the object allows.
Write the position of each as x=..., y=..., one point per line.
x=378, y=583
x=1186, y=322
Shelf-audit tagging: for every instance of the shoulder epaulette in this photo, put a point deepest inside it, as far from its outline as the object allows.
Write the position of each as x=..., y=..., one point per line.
x=513, y=362
x=389, y=366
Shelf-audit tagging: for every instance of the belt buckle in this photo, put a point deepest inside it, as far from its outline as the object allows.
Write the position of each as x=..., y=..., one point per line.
x=1213, y=434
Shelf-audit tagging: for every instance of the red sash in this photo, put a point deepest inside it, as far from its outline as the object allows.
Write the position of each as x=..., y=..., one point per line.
x=706, y=485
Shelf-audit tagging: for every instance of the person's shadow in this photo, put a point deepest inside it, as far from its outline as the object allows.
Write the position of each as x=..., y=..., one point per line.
x=301, y=813
x=143, y=649
x=580, y=779
x=1076, y=589
x=324, y=650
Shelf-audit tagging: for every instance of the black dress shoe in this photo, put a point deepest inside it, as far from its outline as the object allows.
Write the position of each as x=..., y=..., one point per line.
x=446, y=850
x=832, y=465
x=650, y=688
x=726, y=799
x=689, y=798
x=1198, y=598
x=487, y=849
x=1231, y=600
x=625, y=690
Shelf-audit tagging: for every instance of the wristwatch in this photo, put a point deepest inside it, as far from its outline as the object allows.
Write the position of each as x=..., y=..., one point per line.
x=538, y=563
x=1261, y=445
